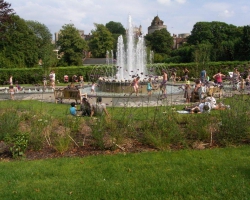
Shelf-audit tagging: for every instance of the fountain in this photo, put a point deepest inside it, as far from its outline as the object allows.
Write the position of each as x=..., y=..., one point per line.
x=131, y=62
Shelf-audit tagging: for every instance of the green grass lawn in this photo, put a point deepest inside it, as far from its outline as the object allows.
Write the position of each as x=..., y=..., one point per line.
x=219, y=173
x=208, y=174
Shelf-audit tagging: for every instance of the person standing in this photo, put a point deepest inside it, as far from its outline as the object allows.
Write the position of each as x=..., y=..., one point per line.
x=11, y=91
x=164, y=84
x=236, y=78
x=149, y=87
x=81, y=81
x=173, y=76
x=135, y=85
x=218, y=78
x=52, y=77
x=11, y=80
x=185, y=74
x=187, y=92
x=44, y=82
x=93, y=87
x=203, y=75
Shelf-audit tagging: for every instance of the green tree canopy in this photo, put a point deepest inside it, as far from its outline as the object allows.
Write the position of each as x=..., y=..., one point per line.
x=101, y=41
x=43, y=40
x=71, y=45
x=160, y=41
x=19, y=47
x=116, y=28
x=5, y=15
x=222, y=36
x=244, y=53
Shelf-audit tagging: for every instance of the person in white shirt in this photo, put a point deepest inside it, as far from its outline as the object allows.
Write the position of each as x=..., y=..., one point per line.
x=52, y=77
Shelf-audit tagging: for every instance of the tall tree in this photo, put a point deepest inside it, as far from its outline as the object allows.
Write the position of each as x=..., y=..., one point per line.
x=19, y=47
x=5, y=15
x=71, y=45
x=116, y=28
x=201, y=56
x=160, y=41
x=101, y=41
x=222, y=36
x=43, y=40
x=245, y=44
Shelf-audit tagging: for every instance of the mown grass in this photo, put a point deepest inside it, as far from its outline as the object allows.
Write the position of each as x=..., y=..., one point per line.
x=208, y=174
x=186, y=174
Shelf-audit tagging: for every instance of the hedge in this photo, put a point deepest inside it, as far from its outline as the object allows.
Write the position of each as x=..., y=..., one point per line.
x=92, y=72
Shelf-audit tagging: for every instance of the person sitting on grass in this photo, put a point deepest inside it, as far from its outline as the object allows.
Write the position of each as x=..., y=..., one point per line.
x=99, y=108
x=86, y=107
x=73, y=110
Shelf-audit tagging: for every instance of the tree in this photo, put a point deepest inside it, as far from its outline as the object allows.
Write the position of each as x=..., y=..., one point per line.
x=101, y=41
x=201, y=55
x=245, y=44
x=116, y=28
x=19, y=47
x=71, y=45
x=160, y=41
x=5, y=15
x=43, y=40
x=218, y=34
x=182, y=55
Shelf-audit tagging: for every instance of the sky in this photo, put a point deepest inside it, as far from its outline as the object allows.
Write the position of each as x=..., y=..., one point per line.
x=178, y=15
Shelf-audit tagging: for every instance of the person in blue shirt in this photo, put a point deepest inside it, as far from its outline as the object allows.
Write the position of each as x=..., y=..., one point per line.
x=73, y=109
x=203, y=75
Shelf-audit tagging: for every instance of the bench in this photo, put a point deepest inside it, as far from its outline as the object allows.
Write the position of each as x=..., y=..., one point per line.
x=215, y=91
x=211, y=91
x=75, y=94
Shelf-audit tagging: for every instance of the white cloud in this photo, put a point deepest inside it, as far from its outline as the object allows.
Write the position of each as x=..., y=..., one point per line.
x=178, y=18
x=164, y=2
x=216, y=7
x=181, y=1
x=226, y=13
x=168, y=2
x=222, y=9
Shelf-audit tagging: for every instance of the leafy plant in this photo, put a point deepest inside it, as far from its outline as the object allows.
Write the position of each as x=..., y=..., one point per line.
x=62, y=143
x=18, y=143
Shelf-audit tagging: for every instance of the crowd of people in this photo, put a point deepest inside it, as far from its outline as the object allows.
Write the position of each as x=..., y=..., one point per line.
x=199, y=89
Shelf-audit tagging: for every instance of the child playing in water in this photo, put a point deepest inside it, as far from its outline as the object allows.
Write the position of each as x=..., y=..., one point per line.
x=93, y=87
x=11, y=91
x=187, y=93
x=135, y=85
x=149, y=87
x=81, y=81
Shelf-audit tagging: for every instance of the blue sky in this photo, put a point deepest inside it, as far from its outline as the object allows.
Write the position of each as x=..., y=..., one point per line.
x=178, y=15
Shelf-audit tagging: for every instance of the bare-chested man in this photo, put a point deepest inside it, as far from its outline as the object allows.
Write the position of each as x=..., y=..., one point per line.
x=164, y=84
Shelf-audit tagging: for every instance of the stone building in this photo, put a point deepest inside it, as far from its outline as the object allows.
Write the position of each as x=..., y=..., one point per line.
x=81, y=33
x=156, y=24
x=180, y=39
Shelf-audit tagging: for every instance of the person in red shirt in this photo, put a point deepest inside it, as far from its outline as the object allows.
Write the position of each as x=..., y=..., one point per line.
x=218, y=78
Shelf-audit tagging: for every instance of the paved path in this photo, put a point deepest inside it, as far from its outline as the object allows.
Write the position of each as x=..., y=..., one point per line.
x=117, y=100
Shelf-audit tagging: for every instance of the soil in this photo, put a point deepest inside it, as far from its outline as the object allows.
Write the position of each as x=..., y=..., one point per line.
x=84, y=149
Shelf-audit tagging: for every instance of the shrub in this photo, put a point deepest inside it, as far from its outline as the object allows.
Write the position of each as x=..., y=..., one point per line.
x=18, y=143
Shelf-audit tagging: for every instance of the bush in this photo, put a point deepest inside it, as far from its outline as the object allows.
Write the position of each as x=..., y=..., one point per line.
x=18, y=143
